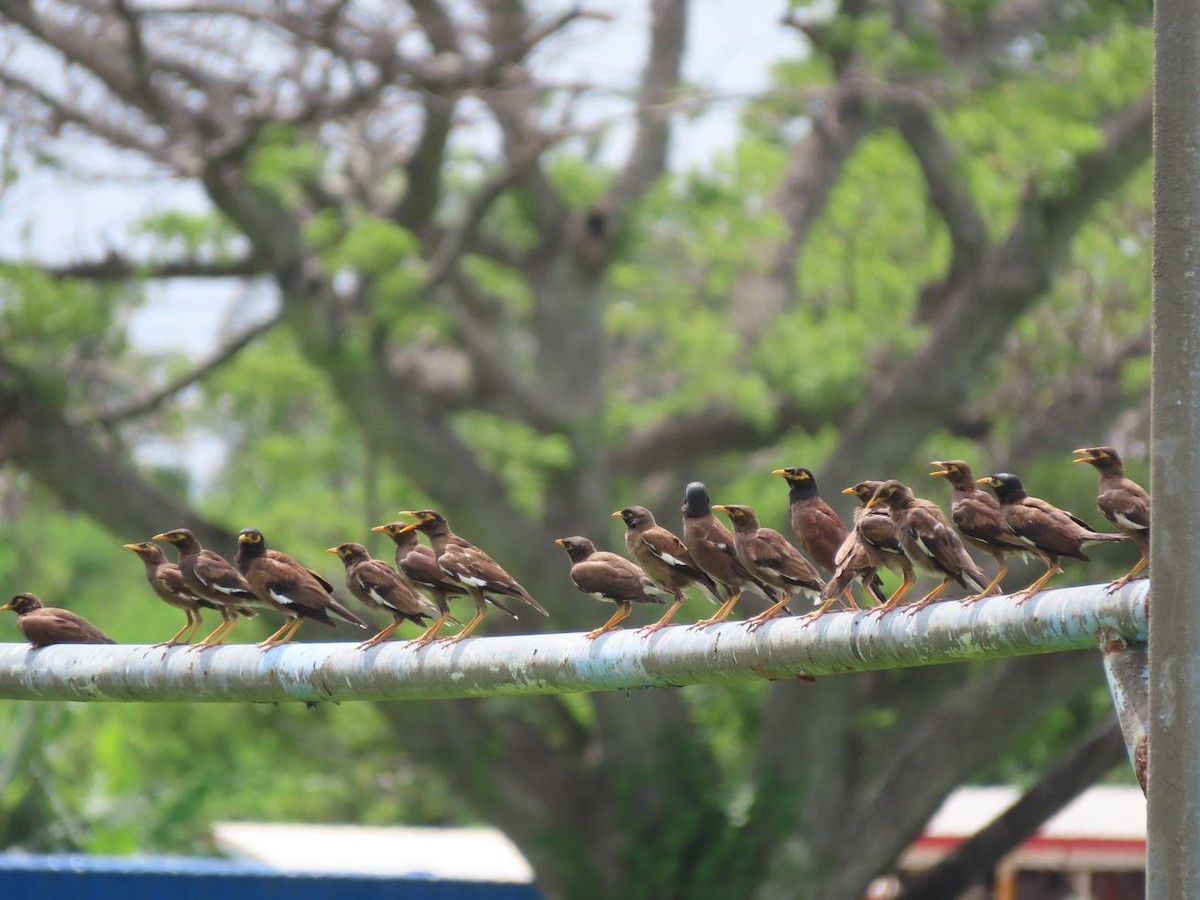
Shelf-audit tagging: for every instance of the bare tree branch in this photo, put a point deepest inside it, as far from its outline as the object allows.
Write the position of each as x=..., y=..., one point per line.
x=152, y=401
x=664, y=65
x=117, y=267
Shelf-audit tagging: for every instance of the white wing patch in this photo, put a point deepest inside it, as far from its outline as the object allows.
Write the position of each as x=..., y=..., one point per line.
x=1121, y=519
x=282, y=598
x=470, y=580
x=669, y=559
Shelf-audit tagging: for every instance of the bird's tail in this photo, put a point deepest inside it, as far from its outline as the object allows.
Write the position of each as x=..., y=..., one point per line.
x=1098, y=537
x=341, y=612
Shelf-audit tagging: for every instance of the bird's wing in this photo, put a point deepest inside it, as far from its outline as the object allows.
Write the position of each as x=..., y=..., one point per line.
x=1125, y=508
x=50, y=625
x=218, y=575
x=670, y=550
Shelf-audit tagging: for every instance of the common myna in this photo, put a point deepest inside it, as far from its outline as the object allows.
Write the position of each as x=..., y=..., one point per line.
x=289, y=587
x=609, y=577
x=467, y=566
x=377, y=585
x=976, y=514
x=167, y=582
x=871, y=545
x=46, y=625
x=1124, y=502
x=212, y=577
x=1042, y=527
x=417, y=563
x=664, y=558
x=819, y=530
x=711, y=545
x=929, y=540
x=767, y=553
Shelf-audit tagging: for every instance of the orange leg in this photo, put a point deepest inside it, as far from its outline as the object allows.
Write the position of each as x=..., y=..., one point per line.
x=1053, y=568
x=756, y=622
x=1130, y=575
x=382, y=636
x=851, y=603
x=897, y=595
x=282, y=636
x=931, y=597
x=665, y=620
x=994, y=584
x=191, y=624
x=228, y=621
x=622, y=613
x=430, y=632
x=480, y=614
x=721, y=614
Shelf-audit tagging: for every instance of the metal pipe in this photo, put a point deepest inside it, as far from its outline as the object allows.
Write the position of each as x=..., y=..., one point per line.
x=1173, y=820
x=1126, y=665
x=1067, y=619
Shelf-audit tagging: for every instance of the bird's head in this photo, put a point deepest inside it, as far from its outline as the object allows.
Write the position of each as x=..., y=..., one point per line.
x=1007, y=486
x=577, y=547
x=864, y=490
x=349, y=552
x=22, y=603
x=955, y=471
x=635, y=517
x=742, y=517
x=695, y=500
x=1105, y=459
x=147, y=550
x=403, y=533
x=427, y=520
x=800, y=480
x=891, y=492
x=182, y=538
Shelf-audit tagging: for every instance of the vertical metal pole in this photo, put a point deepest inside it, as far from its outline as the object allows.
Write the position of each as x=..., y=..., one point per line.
x=1174, y=797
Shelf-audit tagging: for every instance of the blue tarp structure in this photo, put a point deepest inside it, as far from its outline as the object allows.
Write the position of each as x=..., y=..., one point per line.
x=85, y=877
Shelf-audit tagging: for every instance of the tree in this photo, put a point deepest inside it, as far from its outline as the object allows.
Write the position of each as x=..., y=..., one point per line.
x=528, y=336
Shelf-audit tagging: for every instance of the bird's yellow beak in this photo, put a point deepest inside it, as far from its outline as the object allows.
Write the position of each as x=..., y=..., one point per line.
x=160, y=537
x=560, y=542
x=1087, y=455
x=382, y=529
x=723, y=509
x=331, y=550
x=409, y=513
x=874, y=501
x=130, y=546
x=782, y=473
x=986, y=479
x=849, y=490
x=6, y=607
x=408, y=528
x=617, y=515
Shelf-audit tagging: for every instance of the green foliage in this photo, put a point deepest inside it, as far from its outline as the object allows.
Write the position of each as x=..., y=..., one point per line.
x=284, y=163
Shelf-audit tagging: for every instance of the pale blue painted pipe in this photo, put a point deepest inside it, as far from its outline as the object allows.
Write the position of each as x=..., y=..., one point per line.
x=1067, y=619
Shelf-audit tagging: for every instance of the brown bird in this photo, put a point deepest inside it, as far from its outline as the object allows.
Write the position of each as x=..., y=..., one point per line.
x=1042, y=527
x=711, y=545
x=608, y=577
x=976, y=514
x=871, y=545
x=929, y=540
x=167, y=582
x=468, y=567
x=664, y=558
x=1123, y=502
x=766, y=553
x=819, y=530
x=212, y=577
x=281, y=582
x=417, y=563
x=379, y=586
x=46, y=625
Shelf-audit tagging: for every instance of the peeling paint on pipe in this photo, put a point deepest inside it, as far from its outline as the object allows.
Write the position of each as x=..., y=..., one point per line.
x=1127, y=667
x=1067, y=619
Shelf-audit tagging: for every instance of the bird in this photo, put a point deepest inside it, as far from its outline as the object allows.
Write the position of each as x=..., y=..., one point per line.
x=609, y=577
x=1043, y=527
x=711, y=545
x=1123, y=502
x=977, y=516
x=767, y=553
x=929, y=541
x=167, y=582
x=46, y=625
x=467, y=566
x=819, y=530
x=292, y=589
x=417, y=562
x=212, y=577
x=871, y=545
x=664, y=558
x=379, y=586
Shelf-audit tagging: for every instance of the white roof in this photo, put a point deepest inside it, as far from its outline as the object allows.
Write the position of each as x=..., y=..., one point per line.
x=1104, y=828
x=1106, y=812
x=462, y=854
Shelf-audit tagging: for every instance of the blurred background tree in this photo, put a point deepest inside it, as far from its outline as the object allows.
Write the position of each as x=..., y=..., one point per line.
x=467, y=281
